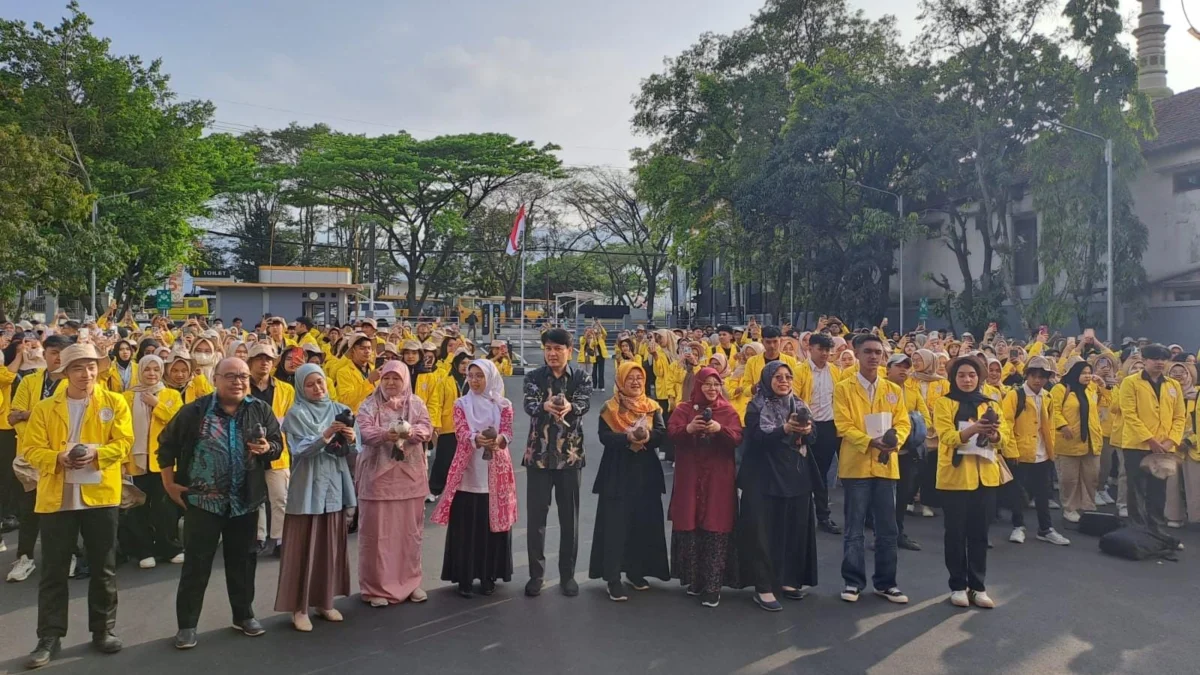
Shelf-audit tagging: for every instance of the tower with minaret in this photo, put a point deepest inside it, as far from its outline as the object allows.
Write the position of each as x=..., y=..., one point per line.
x=1151, y=35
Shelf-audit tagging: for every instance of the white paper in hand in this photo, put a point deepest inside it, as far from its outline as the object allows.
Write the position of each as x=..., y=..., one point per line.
x=878, y=423
x=88, y=475
x=971, y=447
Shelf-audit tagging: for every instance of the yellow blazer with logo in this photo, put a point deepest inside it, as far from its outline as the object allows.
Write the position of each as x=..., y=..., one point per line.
x=756, y=363
x=111, y=378
x=1147, y=416
x=285, y=396
x=26, y=397
x=971, y=471
x=850, y=408
x=169, y=403
x=1027, y=427
x=352, y=387
x=106, y=423
x=803, y=382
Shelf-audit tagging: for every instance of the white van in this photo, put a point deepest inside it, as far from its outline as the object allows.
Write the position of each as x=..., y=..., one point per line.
x=385, y=314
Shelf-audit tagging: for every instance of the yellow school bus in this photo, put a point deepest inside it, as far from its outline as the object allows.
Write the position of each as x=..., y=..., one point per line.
x=467, y=304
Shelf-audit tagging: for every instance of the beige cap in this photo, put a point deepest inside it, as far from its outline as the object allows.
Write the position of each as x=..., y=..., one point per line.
x=1040, y=363
x=276, y=319
x=429, y=346
x=75, y=353
x=312, y=348
x=264, y=348
x=410, y=346
x=370, y=322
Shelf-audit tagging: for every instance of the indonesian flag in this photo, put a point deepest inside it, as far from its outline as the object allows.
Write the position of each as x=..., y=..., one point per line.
x=518, y=230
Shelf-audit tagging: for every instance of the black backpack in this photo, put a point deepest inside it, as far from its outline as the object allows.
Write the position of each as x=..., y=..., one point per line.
x=1137, y=544
x=1098, y=523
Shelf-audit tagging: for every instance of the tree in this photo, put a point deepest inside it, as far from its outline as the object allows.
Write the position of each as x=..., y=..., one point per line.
x=423, y=191
x=1069, y=177
x=624, y=231
x=39, y=198
x=126, y=133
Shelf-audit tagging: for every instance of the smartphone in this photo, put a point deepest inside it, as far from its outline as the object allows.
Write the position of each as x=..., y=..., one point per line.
x=1043, y=329
x=83, y=333
x=1089, y=334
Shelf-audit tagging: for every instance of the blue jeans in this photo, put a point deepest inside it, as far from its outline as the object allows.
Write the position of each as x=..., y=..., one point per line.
x=878, y=495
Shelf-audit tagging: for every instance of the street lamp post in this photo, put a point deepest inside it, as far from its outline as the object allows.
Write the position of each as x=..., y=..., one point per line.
x=900, y=213
x=95, y=219
x=1108, y=165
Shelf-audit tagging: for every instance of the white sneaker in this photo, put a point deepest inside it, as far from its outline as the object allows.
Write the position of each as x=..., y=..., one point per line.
x=3, y=546
x=1054, y=504
x=147, y=563
x=982, y=600
x=1017, y=536
x=1102, y=498
x=21, y=569
x=1054, y=538
x=926, y=512
x=911, y=508
x=71, y=570
x=1122, y=511
x=960, y=599
x=177, y=560
x=431, y=498
x=1174, y=524
x=1071, y=516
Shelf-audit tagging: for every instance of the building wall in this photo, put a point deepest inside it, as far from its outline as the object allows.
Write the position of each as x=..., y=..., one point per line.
x=246, y=303
x=1172, y=220
x=251, y=303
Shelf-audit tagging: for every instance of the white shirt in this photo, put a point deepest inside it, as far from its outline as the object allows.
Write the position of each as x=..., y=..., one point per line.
x=869, y=386
x=1037, y=404
x=475, y=477
x=72, y=495
x=822, y=393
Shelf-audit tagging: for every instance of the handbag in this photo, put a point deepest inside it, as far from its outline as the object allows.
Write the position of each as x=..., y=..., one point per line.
x=1006, y=475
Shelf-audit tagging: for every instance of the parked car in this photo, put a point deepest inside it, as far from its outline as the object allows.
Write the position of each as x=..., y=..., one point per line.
x=385, y=313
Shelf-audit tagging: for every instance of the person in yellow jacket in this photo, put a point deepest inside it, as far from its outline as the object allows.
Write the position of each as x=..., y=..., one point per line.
x=871, y=418
x=815, y=379
x=498, y=354
x=306, y=332
x=280, y=395
x=741, y=389
x=968, y=483
x=150, y=530
x=1154, y=416
x=357, y=377
x=182, y=378
x=994, y=387
x=593, y=350
x=1028, y=411
x=1177, y=511
x=910, y=456
x=1079, y=439
x=1177, y=516
x=447, y=388
x=77, y=440
x=1104, y=380
x=122, y=373
x=772, y=342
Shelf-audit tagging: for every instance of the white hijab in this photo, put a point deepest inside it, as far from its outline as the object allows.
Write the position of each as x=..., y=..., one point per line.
x=483, y=410
x=142, y=413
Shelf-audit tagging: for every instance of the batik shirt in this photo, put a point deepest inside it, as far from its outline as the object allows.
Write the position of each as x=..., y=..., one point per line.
x=218, y=469
x=553, y=445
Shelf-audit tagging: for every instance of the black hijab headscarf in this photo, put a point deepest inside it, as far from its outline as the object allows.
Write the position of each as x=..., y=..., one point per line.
x=146, y=346
x=968, y=401
x=459, y=378
x=281, y=372
x=1072, y=383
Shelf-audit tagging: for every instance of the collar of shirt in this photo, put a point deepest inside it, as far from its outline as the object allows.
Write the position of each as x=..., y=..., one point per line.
x=214, y=407
x=816, y=368
x=1036, y=395
x=868, y=386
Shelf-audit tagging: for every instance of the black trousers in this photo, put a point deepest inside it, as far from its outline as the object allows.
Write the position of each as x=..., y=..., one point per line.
x=1146, y=496
x=1033, y=480
x=825, y=448
x=10, y=488
x=30, y=522
x=443, y=457
x=966, y=515
x=667, y=447
x=598, y=373
x=60, y=534
x=151, y=530
x=202, y=531
x=564, y=484
x=910, y=481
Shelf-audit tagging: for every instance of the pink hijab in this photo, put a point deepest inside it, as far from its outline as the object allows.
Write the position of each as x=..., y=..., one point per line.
x=399, y=403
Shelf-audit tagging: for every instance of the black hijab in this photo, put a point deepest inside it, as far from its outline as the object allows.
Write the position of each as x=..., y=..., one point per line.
x=968, y=401
x=146, y=346
x=1072, y=383
x=459, y=378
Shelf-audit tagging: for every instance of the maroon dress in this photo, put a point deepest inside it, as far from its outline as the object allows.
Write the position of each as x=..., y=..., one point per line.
x=704, y=497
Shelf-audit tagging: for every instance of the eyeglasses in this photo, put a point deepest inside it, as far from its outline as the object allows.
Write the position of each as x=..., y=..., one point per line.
x=235, y=377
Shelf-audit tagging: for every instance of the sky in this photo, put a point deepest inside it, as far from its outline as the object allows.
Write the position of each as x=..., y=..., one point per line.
x=560, y=71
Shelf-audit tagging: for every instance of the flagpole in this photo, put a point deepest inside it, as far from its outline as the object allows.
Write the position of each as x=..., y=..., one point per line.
x=524, y=230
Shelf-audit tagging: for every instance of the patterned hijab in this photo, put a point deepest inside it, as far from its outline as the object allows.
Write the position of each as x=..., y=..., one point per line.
x=628, y=408
x=773, y=408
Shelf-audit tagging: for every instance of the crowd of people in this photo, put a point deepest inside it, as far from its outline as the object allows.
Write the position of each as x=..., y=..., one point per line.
x=162, y=443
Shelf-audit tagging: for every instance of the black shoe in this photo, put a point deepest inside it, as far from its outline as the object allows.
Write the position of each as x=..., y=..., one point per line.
x=907, y=544
x=711, y=599
x=772, y=606
x=829, y=526
x=82, y=571
x=106, y=643
x=267, y=548
x=487, y=587
x=278, y=552
x=570, y=587
x=616, y=592
x=250, y=627
x=465, y=589
x=794, y=594
x=9, y=524
x=47, y=648
x=185, y=638
x=693, y=591
x=639, y=583
x=533, y=588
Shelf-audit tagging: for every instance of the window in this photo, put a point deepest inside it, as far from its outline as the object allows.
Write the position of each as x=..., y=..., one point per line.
x=1025, y=246
x=1188, y=295
x=1186, y=181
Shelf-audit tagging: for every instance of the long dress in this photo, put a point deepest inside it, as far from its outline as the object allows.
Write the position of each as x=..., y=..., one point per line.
x=776, y=534
x=391, y=503
x=704, y=503
x=630, y=534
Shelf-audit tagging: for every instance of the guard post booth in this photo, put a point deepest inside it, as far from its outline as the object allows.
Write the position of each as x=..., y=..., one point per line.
x=319, y=293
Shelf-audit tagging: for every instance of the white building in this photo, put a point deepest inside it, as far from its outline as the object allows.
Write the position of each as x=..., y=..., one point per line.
x=1166, y=199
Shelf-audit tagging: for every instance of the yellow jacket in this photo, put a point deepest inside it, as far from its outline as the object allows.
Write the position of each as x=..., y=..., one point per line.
x=1104, y=395
x=755, y=365
x=1146, y=416
x=28, y=395
x=197, y=388
x=971, y=471
x=281, y=403
x=504, y=365
x=1194, y=453
x=352, y=387
x=850, y=408
x=933, y=390
x=1027, y=427
x=599, y=347
x=914, y=402
x=803, y=378
x=993, y=392
x=1065, y=407
x=169, y=403
x=106, y=423
x=441, y=403
x=111, y=378
x=425, y=386
x=7, y=377
x=668, y=380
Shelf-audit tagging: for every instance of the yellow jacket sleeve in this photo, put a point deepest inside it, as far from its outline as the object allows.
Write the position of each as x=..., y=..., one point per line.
x=1134, y=430
x=1179, y=417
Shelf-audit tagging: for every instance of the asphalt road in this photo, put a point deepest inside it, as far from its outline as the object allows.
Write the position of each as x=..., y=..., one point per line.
x=1060, y=610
